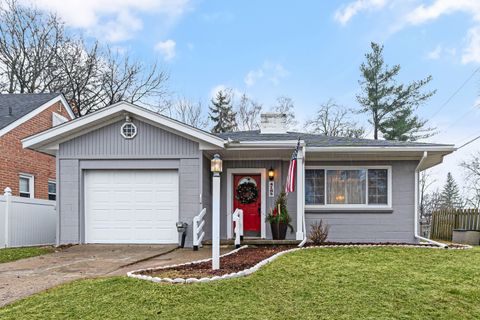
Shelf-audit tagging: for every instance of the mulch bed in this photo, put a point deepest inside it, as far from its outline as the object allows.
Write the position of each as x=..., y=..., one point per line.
x=241, y=260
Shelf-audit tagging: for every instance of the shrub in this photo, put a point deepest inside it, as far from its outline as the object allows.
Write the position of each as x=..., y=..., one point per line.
x=318, y=232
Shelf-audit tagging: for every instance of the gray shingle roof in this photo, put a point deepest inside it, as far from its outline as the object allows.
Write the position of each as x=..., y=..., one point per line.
x=21, y=104
x=317, y=140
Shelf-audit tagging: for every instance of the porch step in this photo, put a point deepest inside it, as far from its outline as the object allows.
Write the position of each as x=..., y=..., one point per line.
x=257, y=242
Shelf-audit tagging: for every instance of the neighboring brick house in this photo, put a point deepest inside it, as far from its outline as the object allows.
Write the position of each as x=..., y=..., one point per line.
x=29, y=173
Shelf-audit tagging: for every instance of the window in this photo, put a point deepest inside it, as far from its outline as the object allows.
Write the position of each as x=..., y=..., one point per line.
x=26, y=186
x=315, y=186
x=52, y=190
x=347, y=187
x=128, y=130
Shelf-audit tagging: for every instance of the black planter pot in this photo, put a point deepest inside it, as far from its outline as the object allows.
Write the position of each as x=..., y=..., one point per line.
x=279, y=230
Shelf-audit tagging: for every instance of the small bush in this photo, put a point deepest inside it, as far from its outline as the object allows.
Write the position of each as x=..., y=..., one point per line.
x=318, y=232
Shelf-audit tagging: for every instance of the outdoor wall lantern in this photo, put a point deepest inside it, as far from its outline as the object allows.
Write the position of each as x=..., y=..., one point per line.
x=216, y=165
x=271, y=174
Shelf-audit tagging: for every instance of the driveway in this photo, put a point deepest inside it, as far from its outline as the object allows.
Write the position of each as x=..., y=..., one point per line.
x=22, y=278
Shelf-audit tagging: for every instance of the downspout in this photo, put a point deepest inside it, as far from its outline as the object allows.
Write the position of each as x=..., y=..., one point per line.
x=417, y=236
x=301, y=244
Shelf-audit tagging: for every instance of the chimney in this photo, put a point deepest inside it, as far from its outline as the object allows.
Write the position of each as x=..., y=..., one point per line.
x=272, y=122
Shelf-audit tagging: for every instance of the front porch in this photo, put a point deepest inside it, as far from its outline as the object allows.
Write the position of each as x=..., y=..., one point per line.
x=252, y=164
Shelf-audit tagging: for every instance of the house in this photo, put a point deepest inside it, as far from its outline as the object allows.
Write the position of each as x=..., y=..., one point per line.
x=127, y=175
x=29, y=173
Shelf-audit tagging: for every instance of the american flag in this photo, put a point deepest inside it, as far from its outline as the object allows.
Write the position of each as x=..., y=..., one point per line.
x=292, y=170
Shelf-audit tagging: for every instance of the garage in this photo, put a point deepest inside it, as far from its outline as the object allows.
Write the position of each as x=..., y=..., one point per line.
x=131, y=206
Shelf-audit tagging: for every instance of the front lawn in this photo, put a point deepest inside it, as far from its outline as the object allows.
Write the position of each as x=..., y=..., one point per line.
x=12, y=254
x=333, y=283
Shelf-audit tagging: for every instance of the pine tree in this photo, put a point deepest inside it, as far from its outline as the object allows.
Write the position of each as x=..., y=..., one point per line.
x=222, y=114
x=450, y=196
x=391, y=105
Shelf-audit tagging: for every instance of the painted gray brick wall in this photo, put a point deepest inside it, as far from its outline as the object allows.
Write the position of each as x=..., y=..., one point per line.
x=394, y=226
x=68, y=203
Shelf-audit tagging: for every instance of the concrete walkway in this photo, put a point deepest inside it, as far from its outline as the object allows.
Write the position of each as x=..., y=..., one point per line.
x=22, y=278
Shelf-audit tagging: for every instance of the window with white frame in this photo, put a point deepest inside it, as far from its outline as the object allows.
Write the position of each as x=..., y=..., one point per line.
x=347, y=187
x=26, y=185
x=52, y=190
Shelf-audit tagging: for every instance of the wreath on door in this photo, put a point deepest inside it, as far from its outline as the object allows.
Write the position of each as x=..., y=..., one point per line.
x=247, y=192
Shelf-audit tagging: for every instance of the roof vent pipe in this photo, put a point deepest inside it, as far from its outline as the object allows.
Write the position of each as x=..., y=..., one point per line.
x=10, y=111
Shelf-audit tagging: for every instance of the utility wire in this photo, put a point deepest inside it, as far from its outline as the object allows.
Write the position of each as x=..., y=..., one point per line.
x=455, y=93
x=468, y=142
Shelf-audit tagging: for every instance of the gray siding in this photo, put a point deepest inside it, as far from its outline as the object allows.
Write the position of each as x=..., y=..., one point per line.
x=149, y=142
x=367, y=226
x=105, y=148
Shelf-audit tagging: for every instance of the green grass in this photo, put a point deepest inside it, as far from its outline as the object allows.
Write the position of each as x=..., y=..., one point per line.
x=333, y=283
x=12, y=254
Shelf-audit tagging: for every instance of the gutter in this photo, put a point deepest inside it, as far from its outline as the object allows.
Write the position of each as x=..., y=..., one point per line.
x=416, y=235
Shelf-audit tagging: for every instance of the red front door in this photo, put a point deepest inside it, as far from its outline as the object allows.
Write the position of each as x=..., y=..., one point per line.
x=247, y=196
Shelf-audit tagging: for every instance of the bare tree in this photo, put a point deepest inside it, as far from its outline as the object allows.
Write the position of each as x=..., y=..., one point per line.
x=78, y=76
x=286, y=105
x=37, y=55
x=29, y=43
x=333, y=120
x=472, y=179
x=248, y=113
x=190, y=113
x=426, y=205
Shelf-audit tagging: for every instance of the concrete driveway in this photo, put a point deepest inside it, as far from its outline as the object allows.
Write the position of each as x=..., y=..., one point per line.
x=22, y=278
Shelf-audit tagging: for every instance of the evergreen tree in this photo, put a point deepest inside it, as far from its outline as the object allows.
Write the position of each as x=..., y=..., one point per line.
x=222, y=114
x=391, y=105
x=450, y=196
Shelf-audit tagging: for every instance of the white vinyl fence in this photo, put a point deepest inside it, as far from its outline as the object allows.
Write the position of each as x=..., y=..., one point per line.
x=26, y=222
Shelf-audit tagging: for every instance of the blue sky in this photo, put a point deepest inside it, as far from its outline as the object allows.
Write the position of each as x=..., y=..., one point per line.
x=307, y=50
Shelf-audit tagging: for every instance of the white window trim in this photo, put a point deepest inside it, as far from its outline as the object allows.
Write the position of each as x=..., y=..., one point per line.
x=31, y=183
x=54, y=182
x=388, y=206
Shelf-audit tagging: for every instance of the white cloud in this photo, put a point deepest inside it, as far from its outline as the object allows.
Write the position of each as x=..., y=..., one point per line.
x=271, y=71
x=234, y=92
x=167, y=49
x=113, y=20
x=471, y=52
x=345, y=13
x=435, y=53
x=438, y=8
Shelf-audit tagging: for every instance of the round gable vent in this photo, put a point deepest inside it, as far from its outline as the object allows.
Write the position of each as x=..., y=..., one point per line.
x=128, y=129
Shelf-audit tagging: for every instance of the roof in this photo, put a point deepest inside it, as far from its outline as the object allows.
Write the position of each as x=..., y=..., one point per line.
x=21, y=105
x=319, y=140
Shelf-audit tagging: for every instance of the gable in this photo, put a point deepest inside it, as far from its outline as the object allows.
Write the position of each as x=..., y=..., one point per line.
x=108, y=142
x=49, y=140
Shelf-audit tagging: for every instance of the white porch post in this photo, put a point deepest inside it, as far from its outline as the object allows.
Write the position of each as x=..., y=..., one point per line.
x=216, y=169
x=216, y=222
x=300, y=193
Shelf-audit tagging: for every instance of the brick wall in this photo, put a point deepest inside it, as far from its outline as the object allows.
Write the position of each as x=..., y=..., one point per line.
x=15, y=160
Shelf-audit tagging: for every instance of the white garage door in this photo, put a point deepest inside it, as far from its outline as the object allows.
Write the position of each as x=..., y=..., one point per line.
x=131, y=206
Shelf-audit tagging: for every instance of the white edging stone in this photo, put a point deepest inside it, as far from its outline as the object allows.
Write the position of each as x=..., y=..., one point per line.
x=242, y=273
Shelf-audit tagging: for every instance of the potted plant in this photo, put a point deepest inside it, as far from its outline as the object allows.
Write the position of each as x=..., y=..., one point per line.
x=279, y=218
